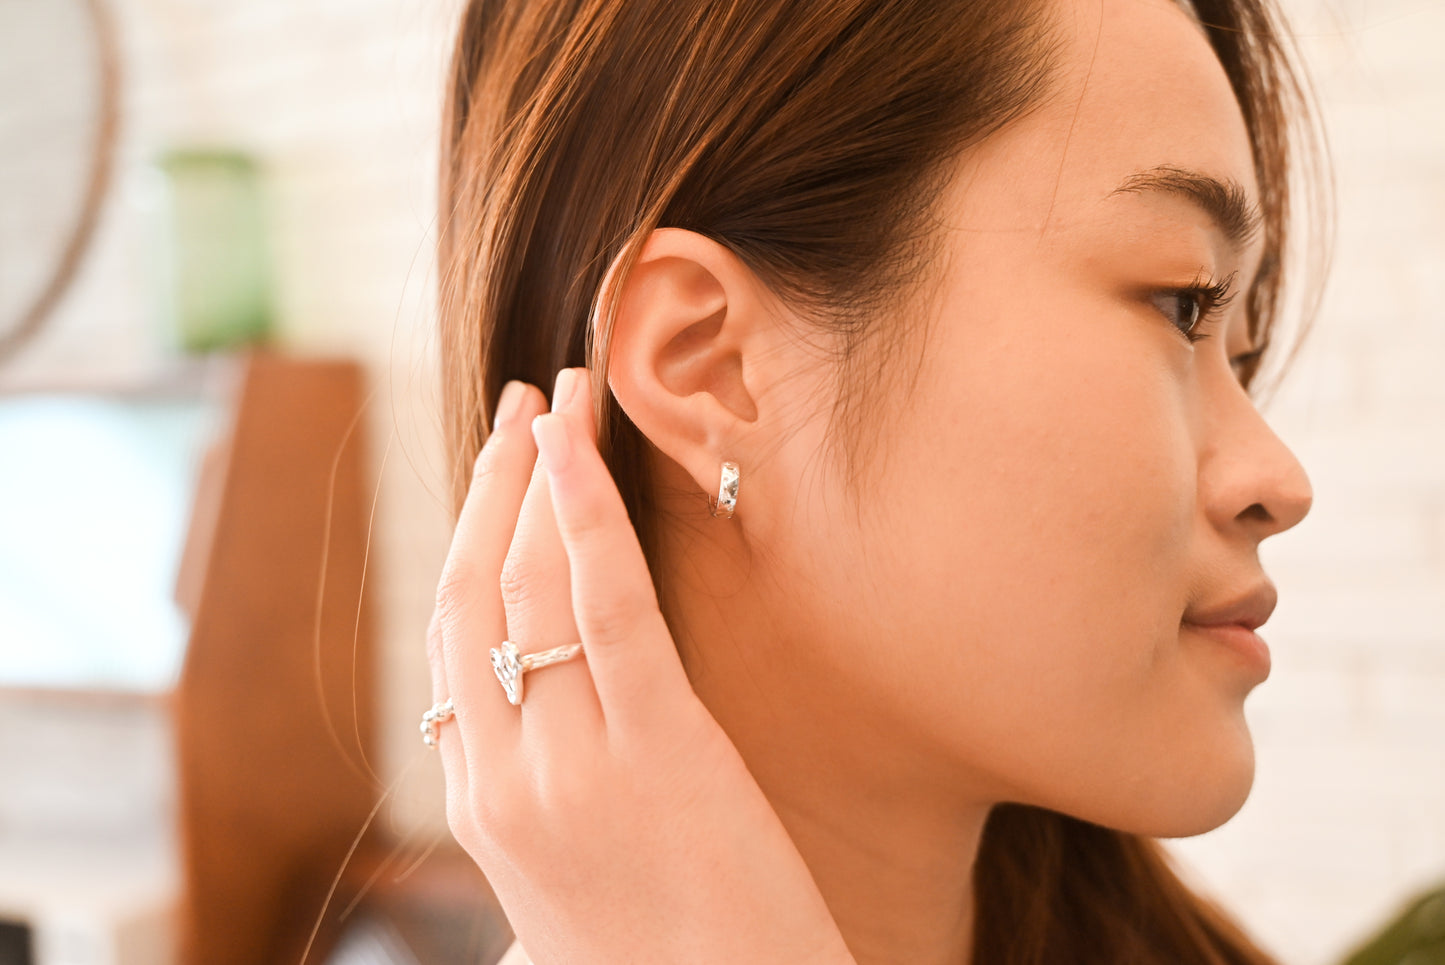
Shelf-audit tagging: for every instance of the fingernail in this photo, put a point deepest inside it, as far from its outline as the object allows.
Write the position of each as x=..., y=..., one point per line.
x=509, y=403
x=565, y=388
x=550, y=431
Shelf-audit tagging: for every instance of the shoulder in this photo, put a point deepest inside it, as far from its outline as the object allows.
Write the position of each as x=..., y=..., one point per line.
x=514, y=956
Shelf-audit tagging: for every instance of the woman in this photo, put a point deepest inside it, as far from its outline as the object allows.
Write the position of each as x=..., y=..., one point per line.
x=972, y=296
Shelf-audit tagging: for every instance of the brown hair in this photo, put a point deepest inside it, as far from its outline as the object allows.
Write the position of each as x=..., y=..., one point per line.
x=809, y=137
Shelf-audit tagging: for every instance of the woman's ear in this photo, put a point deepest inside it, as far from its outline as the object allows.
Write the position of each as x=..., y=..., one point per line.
x=692, y=348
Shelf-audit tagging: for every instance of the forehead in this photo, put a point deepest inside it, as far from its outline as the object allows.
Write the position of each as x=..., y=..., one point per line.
x=1141, y=87
x=1136, y=88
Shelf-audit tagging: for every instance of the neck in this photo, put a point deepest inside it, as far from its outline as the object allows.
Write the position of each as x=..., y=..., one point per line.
x=898, y=885
x=890, y=840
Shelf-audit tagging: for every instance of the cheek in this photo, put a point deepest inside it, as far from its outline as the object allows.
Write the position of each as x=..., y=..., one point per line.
x=1029, y=546
x=1051, y=489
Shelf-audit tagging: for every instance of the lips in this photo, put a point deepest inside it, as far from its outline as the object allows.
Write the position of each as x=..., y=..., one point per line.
x=1250, y=608
x=1240, y=639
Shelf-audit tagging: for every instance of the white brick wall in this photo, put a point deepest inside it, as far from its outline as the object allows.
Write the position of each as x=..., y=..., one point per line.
x=340, y=100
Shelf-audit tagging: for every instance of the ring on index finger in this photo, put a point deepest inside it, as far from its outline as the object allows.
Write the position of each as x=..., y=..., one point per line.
x=510, y=664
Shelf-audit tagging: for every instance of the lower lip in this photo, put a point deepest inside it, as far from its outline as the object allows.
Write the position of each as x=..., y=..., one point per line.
x=1241, y=639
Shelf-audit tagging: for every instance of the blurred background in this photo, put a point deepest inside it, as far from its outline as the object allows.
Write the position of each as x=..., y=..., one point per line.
x=222, y=504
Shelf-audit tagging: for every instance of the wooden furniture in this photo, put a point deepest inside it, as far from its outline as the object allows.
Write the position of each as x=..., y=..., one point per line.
x=187, y=787
x=273, y=708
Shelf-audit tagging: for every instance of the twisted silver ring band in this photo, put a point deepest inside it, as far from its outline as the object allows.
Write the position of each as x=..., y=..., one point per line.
x=439, y=713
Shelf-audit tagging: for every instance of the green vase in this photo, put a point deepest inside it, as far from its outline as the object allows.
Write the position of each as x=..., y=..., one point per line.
x=215, y=260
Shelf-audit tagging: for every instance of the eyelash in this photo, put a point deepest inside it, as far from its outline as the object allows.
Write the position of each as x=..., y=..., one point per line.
x=1212, y=298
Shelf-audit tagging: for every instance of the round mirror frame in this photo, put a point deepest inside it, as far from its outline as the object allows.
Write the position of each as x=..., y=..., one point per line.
x=33, y=317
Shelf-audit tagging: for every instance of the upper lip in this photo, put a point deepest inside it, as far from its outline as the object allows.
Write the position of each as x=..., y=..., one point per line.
x=1250, y=609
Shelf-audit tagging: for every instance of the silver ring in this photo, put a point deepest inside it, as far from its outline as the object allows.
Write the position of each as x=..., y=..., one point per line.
x=510, y=664
x=439, y=713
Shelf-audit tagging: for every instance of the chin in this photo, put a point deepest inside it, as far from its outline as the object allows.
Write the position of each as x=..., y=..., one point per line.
x=1189, y=793
x=1202, y=800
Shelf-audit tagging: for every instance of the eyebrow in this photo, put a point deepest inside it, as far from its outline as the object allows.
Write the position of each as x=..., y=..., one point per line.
x=1224, y=200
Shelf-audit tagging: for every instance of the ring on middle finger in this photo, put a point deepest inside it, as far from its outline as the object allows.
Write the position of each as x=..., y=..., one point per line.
x=510, y=664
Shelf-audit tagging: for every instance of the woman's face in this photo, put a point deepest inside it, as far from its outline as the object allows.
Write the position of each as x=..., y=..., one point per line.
x=1066, y=477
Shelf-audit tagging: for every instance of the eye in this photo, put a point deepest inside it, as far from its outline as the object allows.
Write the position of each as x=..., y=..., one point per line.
x=1184, y=308
x=1190, y=307
x=1245, y=365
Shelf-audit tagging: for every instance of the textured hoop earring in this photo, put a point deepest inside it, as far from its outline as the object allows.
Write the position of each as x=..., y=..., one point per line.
x=727, y=492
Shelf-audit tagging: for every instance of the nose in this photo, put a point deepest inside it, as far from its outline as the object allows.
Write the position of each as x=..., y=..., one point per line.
x=1249, y=480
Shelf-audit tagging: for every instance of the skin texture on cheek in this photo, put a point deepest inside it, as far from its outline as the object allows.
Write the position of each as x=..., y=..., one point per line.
x=1068, y=501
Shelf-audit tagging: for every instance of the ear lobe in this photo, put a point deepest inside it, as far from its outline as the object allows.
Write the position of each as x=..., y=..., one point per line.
x=690, y=329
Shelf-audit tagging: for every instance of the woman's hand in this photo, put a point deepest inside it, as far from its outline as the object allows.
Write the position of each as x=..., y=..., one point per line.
x=611, y=814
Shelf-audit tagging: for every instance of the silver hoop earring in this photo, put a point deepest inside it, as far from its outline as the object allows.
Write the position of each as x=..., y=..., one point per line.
x=727, y=492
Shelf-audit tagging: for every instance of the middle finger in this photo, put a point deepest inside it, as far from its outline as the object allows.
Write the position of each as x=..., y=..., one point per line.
x=559, y=701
